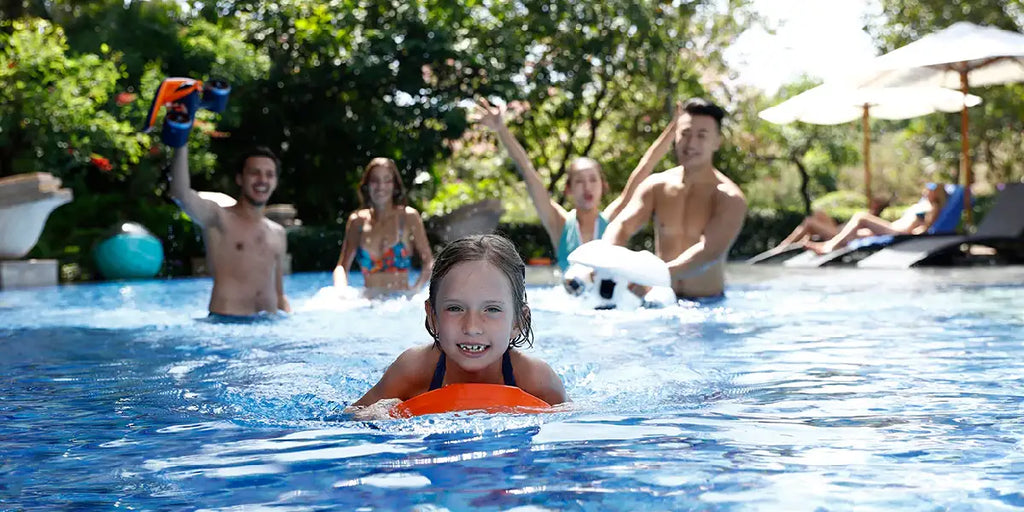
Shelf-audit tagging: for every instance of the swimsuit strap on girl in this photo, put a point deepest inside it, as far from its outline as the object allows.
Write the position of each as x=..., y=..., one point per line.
x=506, y=371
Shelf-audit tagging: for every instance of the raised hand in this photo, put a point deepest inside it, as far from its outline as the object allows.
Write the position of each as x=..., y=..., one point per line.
x=491, y=116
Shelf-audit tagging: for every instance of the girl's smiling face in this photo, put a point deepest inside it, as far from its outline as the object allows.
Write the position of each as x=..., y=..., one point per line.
x=474, y=319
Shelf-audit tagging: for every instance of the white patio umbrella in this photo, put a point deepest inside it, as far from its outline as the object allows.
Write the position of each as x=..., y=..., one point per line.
x=835, y=104
x=956, y=57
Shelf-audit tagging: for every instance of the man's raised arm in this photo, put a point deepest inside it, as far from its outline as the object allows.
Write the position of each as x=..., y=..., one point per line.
x=202, y=211
x=635, y=215
x=643, y=169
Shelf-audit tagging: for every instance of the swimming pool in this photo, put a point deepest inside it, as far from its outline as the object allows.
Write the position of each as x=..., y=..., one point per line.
x=816, y=389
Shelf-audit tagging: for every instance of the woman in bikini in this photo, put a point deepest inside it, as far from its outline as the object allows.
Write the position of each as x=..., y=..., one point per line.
x=819, y=226
x=382, y=234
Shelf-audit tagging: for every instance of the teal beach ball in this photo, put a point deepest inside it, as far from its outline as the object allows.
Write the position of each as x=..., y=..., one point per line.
x=131, y=252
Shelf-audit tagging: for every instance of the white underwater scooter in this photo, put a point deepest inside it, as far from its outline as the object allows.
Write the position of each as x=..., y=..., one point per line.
x=600, y=272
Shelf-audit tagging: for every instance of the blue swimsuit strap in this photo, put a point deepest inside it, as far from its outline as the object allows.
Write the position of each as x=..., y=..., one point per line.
x=506, y=371
x=572, y=236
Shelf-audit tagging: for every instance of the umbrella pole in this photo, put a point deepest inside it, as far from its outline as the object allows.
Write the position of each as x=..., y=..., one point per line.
x=965, y=158
x=866, y=128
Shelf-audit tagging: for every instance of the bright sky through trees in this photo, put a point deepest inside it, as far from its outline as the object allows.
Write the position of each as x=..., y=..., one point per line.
x=819, y=38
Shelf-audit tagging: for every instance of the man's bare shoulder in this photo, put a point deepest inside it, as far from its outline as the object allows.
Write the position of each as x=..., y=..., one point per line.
x=658, y=180
x=274, y=227
x=728, y=188
x=217, y=218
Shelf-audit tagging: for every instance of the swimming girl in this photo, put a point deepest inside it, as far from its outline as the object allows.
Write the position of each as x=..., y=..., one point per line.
x=477, y=314
x=382, y=233
x=585, y=185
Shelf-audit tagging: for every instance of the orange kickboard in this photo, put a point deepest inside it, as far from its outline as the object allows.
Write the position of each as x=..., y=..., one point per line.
x=490, y=398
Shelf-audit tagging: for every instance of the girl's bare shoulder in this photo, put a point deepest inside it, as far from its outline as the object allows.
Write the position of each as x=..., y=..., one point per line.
x=420, y=359
x=538, y=378
x=529, y=367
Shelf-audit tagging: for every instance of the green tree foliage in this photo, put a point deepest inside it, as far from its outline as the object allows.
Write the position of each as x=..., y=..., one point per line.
x=76, y=89
x=162, y=33
x=476, y=170
x=600, y=79
x=55, y=108
x=353, y=80
x=142, y=32
x=903, y=21
x=589, y=63
x=157, y=39
x=793, y=163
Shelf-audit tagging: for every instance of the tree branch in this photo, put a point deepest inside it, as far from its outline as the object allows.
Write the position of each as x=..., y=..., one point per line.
x=564, y=164
x=596, y=118
x=805, y=178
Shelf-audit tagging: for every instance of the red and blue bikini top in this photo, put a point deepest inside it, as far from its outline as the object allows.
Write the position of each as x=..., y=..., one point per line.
x=394, y=259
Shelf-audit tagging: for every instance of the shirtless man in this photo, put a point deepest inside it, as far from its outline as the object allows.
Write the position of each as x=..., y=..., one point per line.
x=698, y=212
x=244, y=249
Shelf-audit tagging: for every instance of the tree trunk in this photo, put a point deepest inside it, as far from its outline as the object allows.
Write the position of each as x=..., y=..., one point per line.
x=5, y=162
x=994, y=174
x=805, y=180
x=594, y=120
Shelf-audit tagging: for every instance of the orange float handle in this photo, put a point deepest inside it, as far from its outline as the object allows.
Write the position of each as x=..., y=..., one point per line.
x=490, y=398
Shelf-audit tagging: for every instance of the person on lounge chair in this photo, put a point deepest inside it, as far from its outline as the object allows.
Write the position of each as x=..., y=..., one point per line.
x=916, y=220
x=819, y=226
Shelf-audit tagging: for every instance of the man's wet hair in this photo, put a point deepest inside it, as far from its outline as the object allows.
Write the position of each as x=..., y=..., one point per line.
x=258, y=151
x=703, y=107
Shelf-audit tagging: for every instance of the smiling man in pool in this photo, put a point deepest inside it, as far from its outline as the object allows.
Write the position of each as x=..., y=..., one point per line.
x=244, y=250
x=697, y=210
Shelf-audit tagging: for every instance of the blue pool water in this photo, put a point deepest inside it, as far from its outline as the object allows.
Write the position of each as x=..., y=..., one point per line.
x=803, y=390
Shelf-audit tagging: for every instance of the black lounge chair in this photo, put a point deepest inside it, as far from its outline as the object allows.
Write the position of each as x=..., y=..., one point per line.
x=999, y=239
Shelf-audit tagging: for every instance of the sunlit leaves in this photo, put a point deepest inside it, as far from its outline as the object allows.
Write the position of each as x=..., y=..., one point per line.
x=52, y=116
